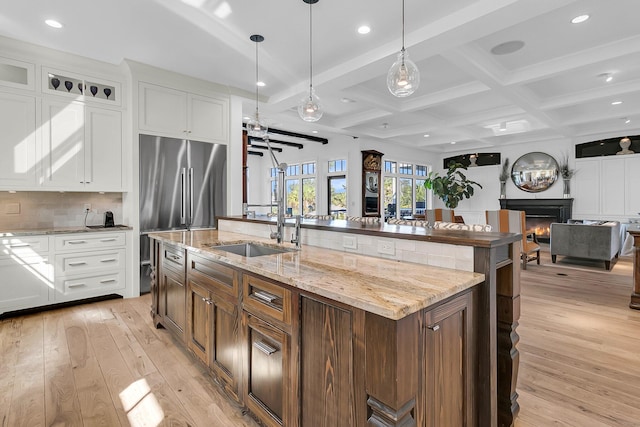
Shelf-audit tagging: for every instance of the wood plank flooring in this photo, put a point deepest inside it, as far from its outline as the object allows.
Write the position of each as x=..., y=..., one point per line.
x=104, y=364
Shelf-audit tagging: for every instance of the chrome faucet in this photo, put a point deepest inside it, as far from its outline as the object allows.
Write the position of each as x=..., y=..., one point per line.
x=280, y=202
x=296, y=238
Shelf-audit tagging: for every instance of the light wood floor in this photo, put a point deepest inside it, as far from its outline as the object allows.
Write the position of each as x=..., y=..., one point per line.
x=104, y=364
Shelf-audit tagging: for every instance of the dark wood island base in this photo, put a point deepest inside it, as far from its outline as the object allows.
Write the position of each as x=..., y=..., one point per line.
x=296, y=358
x=635, y=295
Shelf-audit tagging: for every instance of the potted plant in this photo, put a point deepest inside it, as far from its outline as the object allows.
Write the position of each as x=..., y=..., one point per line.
x=504, y=175
x=566, y=173
x=452, y=187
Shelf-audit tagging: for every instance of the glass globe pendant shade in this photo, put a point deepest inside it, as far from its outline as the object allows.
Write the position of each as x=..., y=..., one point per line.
x=256, y=127
x=403, y=77
x=310, y=108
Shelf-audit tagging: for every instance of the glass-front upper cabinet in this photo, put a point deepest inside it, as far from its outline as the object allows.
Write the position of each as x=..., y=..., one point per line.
x=16, y=74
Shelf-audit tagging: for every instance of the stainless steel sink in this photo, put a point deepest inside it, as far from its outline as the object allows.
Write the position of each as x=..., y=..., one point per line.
x=252, y=249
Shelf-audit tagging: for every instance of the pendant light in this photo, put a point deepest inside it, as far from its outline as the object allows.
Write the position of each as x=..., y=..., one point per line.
x=403, y=77
x=309, y=108
x=256, y=127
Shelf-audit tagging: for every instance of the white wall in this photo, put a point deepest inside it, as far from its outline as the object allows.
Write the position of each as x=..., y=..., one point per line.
x=339, y=147
x=487, y=198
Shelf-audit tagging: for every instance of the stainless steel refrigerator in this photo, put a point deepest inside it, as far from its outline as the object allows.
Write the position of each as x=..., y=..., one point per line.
x=182, y=186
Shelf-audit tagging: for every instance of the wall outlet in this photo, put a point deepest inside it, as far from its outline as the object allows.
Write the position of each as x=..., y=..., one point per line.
x=386, y=247
x=87, y=207
x=349, y=242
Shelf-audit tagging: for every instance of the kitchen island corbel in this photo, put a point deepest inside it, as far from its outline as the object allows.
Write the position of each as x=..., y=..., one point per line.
x=321, y=337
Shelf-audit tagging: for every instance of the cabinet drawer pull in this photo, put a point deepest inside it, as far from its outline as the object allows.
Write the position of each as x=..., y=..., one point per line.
x=174, y=257
x=108, y=281
x=264, y=347
x=74, y=264
x=108, y=260
x=76, y=242
x=433, y=327
x=20, y=245
x=265, y=296
x=76, y=285
x=113, y=239
x=209, y=301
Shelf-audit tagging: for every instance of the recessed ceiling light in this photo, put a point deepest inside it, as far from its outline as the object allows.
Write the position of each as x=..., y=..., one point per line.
x=426, y=135
x=261, y=84
x=607, y=77
x=314, y=131
x=579, y=19
x=616, y=103
x=507, y=47
x=247, y=118
x=364, y=29
x=53, y=23
x=453, y=142
x=347, y=100
x=626, y=120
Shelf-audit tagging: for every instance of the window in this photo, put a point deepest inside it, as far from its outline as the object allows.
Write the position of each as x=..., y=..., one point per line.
x=337, y=166
x=300, y=188
x=338, y=195
x=404, y=192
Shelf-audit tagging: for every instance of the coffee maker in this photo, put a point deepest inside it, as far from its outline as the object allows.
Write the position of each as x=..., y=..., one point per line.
x=108, y=219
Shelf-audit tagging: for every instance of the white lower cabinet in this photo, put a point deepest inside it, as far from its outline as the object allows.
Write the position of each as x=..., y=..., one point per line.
x=26, y=273
x=42, y=270
x=89, y=265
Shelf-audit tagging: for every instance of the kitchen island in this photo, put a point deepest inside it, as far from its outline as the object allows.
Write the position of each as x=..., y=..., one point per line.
x=321, y=337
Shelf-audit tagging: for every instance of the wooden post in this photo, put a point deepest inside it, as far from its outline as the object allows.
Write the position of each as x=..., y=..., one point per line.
x=635, y=296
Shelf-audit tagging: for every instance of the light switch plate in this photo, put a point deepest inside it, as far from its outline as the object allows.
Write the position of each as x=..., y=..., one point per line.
x=12, y=208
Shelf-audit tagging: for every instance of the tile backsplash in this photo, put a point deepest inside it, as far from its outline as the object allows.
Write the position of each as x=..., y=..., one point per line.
x=38, y=209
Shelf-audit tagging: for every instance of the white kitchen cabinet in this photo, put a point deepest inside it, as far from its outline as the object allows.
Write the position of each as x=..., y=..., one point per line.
x=103, y=150
x=17, y=141
x=26, y=273
x=89, y=265
x=180, y=114
x=81, y=147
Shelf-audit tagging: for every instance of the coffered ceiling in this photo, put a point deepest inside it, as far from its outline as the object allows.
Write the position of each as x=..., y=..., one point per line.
x=550, y=89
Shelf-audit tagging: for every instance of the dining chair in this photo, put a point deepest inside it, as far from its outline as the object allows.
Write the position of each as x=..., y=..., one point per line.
x=509, y=221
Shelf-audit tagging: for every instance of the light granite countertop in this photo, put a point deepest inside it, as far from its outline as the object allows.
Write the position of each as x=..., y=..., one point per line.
x=385, y=287
x=61, y=230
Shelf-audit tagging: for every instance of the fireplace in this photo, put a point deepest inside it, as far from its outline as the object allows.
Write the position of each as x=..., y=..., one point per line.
x=540, y=213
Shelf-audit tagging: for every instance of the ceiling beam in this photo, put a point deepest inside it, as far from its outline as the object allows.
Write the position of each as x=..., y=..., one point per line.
x=263, y=147
x=276, y=141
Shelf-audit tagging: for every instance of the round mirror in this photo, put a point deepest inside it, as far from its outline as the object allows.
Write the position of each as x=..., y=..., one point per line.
x=534, y=172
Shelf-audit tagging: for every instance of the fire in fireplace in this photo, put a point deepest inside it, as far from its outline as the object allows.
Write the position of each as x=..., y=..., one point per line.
x=540, y=225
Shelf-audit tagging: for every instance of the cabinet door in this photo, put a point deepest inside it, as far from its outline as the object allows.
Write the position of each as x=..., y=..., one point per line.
x=17, y=141
x=162, y=110
x=63, y=144
x=208, y=118
x=174, y=294
x=267, y=355
x=26, y=281
x=225, y=362
x=448, y=365
x=199, y=321
x=103, y=150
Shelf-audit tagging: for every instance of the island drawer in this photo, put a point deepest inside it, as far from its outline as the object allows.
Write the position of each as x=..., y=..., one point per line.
x=221, y=277
x=173, y=258
x=261, y=296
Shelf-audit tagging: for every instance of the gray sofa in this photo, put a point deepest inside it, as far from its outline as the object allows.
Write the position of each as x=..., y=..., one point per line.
x=590, y=239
